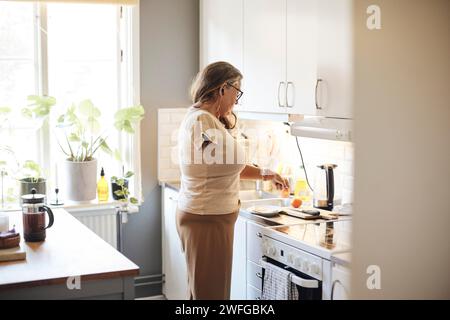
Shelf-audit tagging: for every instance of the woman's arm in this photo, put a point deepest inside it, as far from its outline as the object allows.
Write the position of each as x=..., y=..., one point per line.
x=254, y=173
x=251, y=173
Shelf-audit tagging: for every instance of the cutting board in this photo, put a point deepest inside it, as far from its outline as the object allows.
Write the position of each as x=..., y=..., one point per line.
x=12, y=254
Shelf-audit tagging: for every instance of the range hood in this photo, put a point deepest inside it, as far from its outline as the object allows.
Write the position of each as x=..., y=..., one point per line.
x=323, y=128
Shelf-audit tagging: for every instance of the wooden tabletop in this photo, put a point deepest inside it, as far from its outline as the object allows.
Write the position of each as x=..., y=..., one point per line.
x=70, y=249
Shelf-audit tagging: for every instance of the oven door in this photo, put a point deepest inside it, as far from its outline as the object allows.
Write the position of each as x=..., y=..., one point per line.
x=308, y=287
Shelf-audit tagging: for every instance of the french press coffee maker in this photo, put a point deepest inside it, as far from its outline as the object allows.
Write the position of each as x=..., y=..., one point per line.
x=33, y=212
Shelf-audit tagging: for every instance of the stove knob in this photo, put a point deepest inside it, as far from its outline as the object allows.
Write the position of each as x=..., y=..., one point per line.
x=315, y=268
x=298, y=262
x=272, y=251
x=264, y=249
x=290, y=258
x=305, y=266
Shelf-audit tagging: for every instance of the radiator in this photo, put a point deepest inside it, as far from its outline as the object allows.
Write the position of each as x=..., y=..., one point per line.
x=101, y=221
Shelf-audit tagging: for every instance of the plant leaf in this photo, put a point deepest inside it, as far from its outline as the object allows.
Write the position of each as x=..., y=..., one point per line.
x=117, y=155
x=104, y=146
x=133, y=200
x=118, y=193
x=27, y=113
x=4, y=110
x=42, y=105
x=127, y=117
x=120, y=182
x=93, y=124
x=88, y=109
x=129, y=174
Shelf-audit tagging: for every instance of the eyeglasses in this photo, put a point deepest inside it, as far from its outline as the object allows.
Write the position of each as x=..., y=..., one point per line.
x=240, y=93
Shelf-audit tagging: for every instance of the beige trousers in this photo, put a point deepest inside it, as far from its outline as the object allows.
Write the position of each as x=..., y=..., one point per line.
x=207, y=241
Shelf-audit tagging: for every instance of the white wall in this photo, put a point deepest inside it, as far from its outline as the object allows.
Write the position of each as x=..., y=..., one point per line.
x=402, y=154
x=169, y=61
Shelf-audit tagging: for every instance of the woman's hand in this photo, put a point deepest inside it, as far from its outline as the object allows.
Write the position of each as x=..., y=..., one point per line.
x=279, y=182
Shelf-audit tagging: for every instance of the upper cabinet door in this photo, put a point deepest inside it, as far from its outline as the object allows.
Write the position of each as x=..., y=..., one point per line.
x=264, y=83
x=301, y=56
x=221, y=32
x=335, y=58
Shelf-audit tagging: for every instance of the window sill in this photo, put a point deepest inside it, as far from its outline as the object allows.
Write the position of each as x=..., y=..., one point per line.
x=74, y=206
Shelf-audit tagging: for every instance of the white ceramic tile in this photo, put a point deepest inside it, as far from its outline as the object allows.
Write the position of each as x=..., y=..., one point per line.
x=163, y=118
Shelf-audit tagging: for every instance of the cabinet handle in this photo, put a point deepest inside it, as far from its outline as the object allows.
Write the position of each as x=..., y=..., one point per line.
x=259, y=234
x=279, y=89
x=173, y=199
x=332, y=288
x=287, y=91
x=258, y=298
x=259, y=275
x=317, y=85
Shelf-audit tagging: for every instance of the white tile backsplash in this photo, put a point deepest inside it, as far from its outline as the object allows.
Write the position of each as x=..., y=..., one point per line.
x=169, y=120
x=315, y=152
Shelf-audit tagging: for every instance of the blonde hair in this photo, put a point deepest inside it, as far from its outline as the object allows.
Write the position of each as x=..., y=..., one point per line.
x=211, y=78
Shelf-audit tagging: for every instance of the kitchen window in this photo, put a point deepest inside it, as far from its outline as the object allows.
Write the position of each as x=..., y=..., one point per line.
x=73, y=52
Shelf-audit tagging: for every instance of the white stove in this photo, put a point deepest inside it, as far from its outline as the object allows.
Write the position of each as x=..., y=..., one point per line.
x=305, y=249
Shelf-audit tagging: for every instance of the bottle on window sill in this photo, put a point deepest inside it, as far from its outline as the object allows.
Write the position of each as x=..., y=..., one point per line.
x=102, y=188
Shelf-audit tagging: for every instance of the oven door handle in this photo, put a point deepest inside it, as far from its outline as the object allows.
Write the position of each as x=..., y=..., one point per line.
x=304, y=283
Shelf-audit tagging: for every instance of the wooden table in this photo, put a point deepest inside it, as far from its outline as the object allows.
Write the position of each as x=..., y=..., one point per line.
x=72, y=263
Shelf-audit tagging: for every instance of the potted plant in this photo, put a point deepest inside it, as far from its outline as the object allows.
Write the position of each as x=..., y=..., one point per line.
x=120, y=189
x=29, y=174
x=117, y=183
x=32, y=178
x=82, y=139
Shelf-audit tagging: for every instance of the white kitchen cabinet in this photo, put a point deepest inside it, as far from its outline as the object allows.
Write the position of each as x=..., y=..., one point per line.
x=254, y=275
x=253, y=293
x=221, y=32
x=254, y=255
x=301, y=55
x=254, y=242
x=173, y=262
x=264, y=82
x=296, y=55
x=340, y=282
x=238, y=276
x=335, y=59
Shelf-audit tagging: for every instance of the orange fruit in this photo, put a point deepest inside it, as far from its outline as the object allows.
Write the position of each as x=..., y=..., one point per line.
x=296, y=202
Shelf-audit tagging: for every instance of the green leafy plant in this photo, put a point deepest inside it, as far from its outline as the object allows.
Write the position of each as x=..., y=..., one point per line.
x=82, y=129
x=32, y=171
x=125, y=119
x=38, y=107
x=123, y=193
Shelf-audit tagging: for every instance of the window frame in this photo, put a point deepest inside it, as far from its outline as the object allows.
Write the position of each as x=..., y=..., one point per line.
x=128, y=92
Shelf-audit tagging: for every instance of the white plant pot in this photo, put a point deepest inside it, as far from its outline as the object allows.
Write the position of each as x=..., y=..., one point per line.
x=80, y=180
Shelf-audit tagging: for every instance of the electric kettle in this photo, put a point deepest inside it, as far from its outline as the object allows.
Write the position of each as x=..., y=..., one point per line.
x=324, y=187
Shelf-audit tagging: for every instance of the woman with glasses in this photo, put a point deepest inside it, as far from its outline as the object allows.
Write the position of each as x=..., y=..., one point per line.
x=212, y=162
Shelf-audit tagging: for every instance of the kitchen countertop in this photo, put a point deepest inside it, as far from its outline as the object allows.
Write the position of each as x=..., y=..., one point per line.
x=70, y=249
x=175, y=185
x=287, y=228
x=343, y=258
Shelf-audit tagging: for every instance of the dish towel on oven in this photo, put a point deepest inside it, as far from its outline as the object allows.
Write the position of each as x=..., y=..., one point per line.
x=277, y=284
